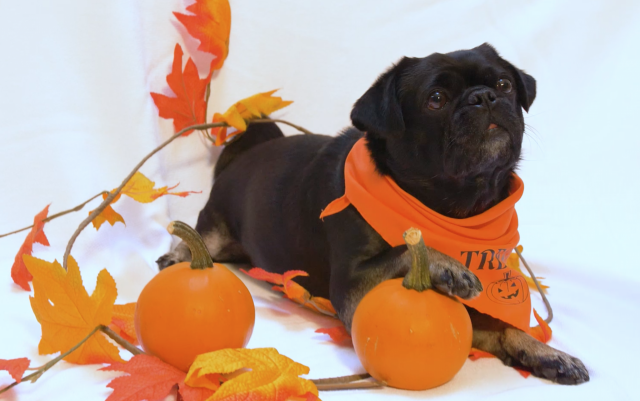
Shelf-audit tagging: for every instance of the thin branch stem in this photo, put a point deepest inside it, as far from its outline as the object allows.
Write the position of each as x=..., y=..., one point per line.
x=36, y=375
x=121, y=341
x=53, y=216
x=106, y=330
x=116, y=192
x=535, y=280
x=363, y=385
x=341, y=379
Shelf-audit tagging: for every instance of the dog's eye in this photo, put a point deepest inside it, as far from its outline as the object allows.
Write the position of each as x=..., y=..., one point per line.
x=504, y=85
x=437, y=100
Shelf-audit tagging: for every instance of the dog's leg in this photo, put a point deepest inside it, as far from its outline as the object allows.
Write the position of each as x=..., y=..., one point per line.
x=361, y=259
x=517, y=348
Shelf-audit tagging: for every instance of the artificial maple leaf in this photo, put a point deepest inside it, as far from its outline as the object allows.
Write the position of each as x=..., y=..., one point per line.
x=304, y=397
x=150, y=379
x=15, y=367
x=236, y=116
x=140, y=189
x=338, y=334
x=273, y=377
x=476, y=354
x=293, y=290
x=67, y=314
x=122, y=322
x=211, y=24
x=19, y=272
x=189, y=106
x=542, y=332
x=107, y=215
x=513, y=262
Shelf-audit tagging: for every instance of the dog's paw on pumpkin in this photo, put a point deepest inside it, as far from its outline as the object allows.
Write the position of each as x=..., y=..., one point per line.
x=452, y=277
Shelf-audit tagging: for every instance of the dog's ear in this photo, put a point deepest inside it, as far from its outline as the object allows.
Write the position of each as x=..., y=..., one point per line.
x=379, y=110
x=526, y=87
x=525, y=83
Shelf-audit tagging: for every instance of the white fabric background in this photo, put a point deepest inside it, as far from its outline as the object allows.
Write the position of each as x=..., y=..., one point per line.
x=76, y=116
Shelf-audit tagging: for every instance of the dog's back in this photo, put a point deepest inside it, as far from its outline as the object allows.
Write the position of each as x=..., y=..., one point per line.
x=266, y=201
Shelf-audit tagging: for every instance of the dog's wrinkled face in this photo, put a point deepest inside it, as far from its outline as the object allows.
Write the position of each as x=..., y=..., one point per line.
x=455, y=116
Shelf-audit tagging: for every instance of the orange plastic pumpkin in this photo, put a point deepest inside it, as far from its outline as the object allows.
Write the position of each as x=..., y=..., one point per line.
x=194, y=307
x=411, y=338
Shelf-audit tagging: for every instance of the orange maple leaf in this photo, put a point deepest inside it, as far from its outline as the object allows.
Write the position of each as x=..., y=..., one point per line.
x=140, y=189
x=67, y=314
x=542, y=332
x=211, y=24
x=19, y=272
x=189, y=105
x=122, y=322
x=150, y=379
x=236, y=116
x=15, y=367
x=513, y=262
x=273, y=377
x=293, y=290
x=107, y=215
x=338, y=334
x=304, y=397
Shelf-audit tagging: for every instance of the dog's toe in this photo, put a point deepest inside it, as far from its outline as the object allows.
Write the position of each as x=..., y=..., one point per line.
x=456, y=280
x=167, y=260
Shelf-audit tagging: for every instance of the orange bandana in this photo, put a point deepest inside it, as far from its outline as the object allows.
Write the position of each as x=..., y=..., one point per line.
x=481, y=242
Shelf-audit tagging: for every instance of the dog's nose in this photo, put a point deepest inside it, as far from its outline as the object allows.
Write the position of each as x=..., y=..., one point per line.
x=482, y=96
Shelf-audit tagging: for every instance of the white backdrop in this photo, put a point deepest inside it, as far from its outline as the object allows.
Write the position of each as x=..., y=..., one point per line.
x=76, y=116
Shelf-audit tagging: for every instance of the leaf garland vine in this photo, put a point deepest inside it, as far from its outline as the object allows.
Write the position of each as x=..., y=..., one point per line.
x=211, y=25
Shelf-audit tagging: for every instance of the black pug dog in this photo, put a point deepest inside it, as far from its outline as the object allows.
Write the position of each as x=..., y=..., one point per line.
x=447, y=128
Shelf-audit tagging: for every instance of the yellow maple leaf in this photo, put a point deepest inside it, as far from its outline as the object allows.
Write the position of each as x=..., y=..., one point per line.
x=255, y=106
x=513, y=262
x=67, y=314
x=272, y=377
x=140, y=189
x=107, y=215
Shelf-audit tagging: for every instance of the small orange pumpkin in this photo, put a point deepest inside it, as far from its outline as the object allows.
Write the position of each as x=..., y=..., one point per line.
x=194, y=307
x=508, y=291
x=407, y=335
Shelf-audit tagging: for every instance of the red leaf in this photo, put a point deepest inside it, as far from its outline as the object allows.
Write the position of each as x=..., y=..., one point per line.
x=263, y=275
x=542, y=332
x=150, y=379
x=211, y=24
x=19, y=272
x=338, y=334
x=476, y=354
x=15, y=367
x=523, y=373
x=189, y=105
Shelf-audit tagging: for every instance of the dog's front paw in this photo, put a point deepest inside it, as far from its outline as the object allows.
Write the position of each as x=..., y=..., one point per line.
x=556, y=366
x=180, y=254
x=452, y=277
x=543, y=360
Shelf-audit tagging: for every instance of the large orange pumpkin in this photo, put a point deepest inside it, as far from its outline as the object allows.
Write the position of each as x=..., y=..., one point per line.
x=194, y=307
x=407, y=335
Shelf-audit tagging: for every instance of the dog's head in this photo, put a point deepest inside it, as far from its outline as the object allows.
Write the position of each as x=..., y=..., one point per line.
x=452, y=118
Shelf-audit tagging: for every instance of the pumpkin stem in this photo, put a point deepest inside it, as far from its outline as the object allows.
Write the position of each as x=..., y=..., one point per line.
x=200, y=258
x=418, y=277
